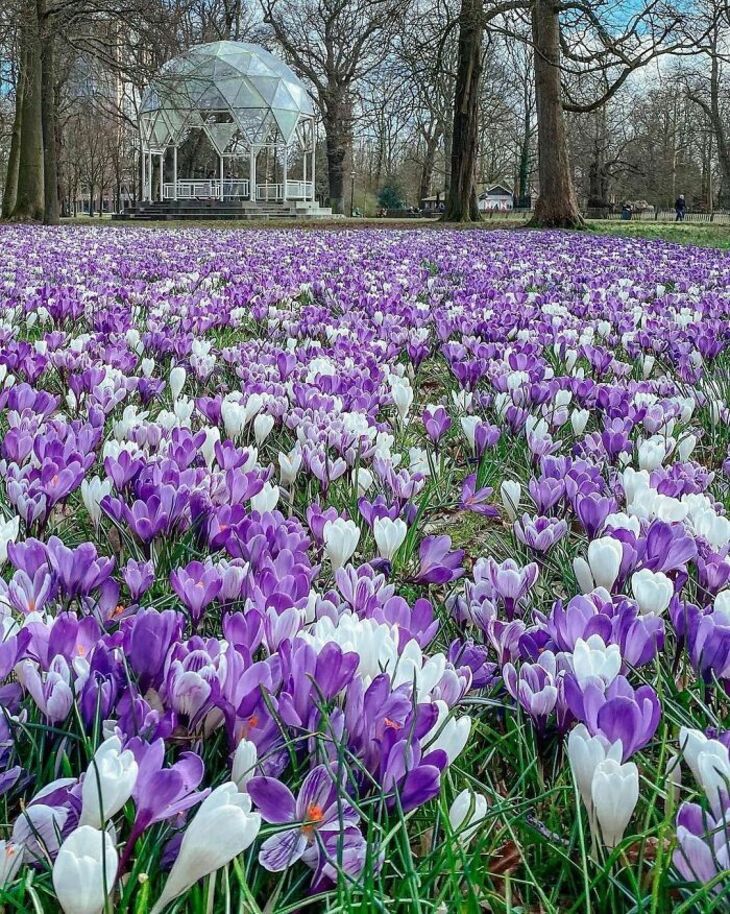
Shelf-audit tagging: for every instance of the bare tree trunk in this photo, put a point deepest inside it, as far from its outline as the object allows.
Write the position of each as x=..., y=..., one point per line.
x=427, y=167
x=461, y=205
x=11, y=178
x=337, y=137
x=29, y=201
x=48, y=119
x=557, y=205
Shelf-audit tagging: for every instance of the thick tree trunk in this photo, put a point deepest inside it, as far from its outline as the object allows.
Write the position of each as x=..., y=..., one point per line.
x=11, y=177
x=461, y=204
x=29, y=201
x=718, y=127
x=557, y=205
x=337, y=142
x=48, y=119
x=448, y=145
x=429, y=160
x=524, y=169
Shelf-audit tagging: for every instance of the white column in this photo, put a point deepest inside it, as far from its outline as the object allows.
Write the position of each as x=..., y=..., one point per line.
x=221, y=173
x=174, y=172
x=162, y=176
x=144, y=174
x=285, y=171
x=304, y=175
x=151, y=164
x=313, y=172
x=252, y=176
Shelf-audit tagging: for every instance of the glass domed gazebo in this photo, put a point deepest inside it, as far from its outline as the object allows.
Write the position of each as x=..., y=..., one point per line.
x=245, y=101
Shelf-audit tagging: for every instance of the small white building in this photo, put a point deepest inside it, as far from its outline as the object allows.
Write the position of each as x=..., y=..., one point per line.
x=496, y=198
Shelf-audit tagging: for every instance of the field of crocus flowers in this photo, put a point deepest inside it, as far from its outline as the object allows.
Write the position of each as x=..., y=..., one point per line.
x=363, y=571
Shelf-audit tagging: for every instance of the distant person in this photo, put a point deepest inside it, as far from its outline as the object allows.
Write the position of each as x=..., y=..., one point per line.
x=626, y=211
x=680, y=208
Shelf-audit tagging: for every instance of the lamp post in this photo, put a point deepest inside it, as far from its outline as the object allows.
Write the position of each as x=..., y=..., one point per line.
x=352, y=194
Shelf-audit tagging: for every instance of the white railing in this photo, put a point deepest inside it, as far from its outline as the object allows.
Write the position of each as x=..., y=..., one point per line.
x=295, y=190
x=207, y=189
x=299, y=190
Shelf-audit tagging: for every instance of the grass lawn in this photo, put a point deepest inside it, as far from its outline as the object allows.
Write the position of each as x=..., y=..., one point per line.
x=714, y=236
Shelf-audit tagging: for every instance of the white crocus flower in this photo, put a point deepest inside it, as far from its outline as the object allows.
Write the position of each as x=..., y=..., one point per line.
x=266, y=500
x=262, y=426
x=92, y=492
x=9, y=530
x=593, y=659
x=604, y=558
x=615, y=793
x=340, y=540
x=221, y=829
x=510, y=492
x=652, y=591
x=389, y=536
x=244, y=764
x=177, y=381
x=289, y=465
x=585, y=752
x=579, y=420
x=108, y=782
x=84, y=871
x=467, y=813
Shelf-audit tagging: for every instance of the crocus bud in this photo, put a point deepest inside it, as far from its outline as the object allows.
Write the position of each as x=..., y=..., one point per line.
x=615, y=793
x=177, y=381
x=9, y=530
x=686, y=446
x=340, y=540
x=221, y=829
x=579, y=420
x=604, y=558
x=510, y=492
x=363, y=479
x=585, y=752
x=92, y=492
x=262, y=425
x=449, y=733
x=289, y=465
x=244, y=764
x=207, y=448
x=234, y=418
x=108, y=782
x=389, y=536
x=672, y=781
x=583, y=574
x=147, y=366
x=85, y=870
x=652, y=591
x=11, y=856
x=402, y=394
x=467, y=812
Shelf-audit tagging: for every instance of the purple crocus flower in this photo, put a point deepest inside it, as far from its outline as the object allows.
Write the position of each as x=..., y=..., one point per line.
x=473, y=499
x=197, y=585
x=540, y=533
x=534, y=686
x=436, y=422
x=319, y=809
x=703, y=846
x=439, y=565
x=617, y=711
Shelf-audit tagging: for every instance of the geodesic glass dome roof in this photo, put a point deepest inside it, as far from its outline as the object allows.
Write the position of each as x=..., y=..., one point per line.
x=238, y=93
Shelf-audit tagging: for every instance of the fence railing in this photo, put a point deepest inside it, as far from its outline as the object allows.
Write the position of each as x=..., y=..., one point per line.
x=295, y=190
x=209, y=188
